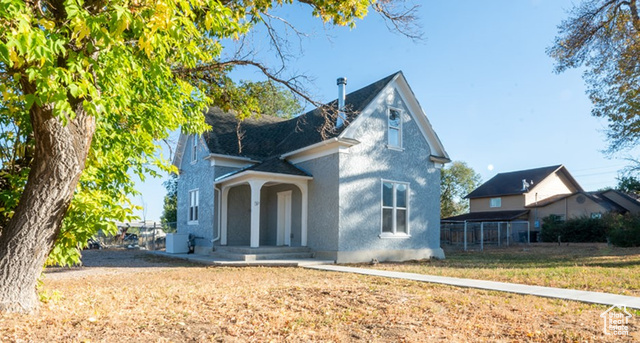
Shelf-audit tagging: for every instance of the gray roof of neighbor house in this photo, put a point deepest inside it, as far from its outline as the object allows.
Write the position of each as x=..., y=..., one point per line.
x=269, y=136
x=511, y=183
x=596, y=197
x=489, y=216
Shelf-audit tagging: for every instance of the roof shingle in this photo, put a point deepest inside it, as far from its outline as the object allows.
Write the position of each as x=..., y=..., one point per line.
x=269, y=136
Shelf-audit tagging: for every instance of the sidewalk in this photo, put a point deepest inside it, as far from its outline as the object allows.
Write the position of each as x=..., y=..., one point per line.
x=549, y=292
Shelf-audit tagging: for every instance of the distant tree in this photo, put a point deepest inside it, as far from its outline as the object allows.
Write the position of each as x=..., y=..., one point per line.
x=457, y=181
x=170, y=208
x=628, y=184
x=272, y=99
x=604, y=37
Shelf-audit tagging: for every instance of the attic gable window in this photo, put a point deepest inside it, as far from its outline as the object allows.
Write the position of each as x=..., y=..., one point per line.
x=495, y=202
x=394, y=130
x=194, y=149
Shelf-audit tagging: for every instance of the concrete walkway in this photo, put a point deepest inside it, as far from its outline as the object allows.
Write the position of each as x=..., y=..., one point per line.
x=549, y=292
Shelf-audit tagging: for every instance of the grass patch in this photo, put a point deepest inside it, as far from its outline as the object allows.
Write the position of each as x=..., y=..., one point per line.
x=592, y=267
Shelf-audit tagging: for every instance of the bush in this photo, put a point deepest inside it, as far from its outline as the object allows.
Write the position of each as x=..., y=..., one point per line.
x=624, y=230
x=577, y=230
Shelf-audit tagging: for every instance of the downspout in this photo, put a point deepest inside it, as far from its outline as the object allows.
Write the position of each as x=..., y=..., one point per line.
x=215, y=239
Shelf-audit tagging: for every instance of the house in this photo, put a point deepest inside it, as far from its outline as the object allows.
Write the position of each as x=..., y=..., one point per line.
x=532, y=194
x=353, y=187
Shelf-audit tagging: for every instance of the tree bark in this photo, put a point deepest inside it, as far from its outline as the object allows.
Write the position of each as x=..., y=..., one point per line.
x=59, y=159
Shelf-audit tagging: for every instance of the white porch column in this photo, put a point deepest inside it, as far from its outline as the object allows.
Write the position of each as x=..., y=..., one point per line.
x=224, y=197
x=256, y=186
x=304, y=215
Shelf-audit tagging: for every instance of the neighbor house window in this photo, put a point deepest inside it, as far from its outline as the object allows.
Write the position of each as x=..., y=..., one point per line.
x=193, y=205
x=394, y=131
x=495, y=202
x=194, y=148
x=395, y=208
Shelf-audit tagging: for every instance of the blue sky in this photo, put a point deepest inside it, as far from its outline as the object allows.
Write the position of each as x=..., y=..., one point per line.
x=481, y=75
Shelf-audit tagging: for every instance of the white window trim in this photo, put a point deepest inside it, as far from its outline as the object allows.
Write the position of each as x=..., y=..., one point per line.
x=194, y=149
x=189, y=221
x=394, y=234
x=398, y=147
x=491, y=202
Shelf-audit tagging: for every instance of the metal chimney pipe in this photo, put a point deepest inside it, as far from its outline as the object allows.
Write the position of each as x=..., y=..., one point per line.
x=342, y=92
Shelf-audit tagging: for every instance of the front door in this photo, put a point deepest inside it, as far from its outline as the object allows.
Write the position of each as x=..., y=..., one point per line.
x=284, y=218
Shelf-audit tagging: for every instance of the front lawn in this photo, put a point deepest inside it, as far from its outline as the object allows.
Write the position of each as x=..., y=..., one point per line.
x=592, y=267
x=142, y=299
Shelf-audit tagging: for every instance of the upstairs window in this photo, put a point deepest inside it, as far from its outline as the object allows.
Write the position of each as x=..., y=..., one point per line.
x=194, y=148
x=395, y=207
x=495, y=202
x=193, y=205
x=394, y=131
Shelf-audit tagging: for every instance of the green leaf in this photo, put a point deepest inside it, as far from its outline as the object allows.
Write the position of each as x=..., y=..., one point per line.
x=4, y=54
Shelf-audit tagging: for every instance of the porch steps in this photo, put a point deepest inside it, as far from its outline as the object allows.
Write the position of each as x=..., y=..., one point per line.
x=261, y=253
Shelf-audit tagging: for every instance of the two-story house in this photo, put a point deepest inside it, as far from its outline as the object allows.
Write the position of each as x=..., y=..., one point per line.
x=360, y=186
x=533, y=194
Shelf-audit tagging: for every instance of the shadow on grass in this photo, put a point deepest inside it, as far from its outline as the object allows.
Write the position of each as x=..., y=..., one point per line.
x=123, y=258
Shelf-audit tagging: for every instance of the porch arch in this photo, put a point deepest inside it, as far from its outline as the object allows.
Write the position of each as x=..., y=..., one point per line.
x=257, y=181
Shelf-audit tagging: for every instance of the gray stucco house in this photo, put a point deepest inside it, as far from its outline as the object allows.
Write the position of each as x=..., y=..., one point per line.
x=365, y=185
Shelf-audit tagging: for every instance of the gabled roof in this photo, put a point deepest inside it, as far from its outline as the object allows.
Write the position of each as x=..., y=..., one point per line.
x=271, y=165
x=267, y=136
x=490, y=216
x=511, y=183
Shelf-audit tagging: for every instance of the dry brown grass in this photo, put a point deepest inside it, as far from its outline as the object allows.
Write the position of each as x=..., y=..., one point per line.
x=592, y=267
x=200, y=304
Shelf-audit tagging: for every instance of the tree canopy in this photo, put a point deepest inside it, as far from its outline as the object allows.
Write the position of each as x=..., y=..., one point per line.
x=87, y=89
x=603, y=36
x=628, y=184
x=456, y=181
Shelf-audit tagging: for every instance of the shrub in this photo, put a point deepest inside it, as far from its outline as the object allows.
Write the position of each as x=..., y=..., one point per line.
x=576, y=230
x=623, y=230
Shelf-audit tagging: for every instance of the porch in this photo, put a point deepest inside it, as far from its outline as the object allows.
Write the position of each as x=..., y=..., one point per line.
x=260, y=207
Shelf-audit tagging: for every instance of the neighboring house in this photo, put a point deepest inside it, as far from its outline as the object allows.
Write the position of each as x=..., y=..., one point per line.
x=533, y=194
x=364, y=186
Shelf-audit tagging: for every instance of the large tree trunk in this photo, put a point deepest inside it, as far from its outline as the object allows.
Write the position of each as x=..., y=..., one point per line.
x=60, y=154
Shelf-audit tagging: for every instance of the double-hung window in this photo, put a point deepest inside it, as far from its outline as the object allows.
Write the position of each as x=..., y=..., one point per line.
x=495, y=202
x=193, y=205
x=194, y=149
x=395, y=208
x=394, y=130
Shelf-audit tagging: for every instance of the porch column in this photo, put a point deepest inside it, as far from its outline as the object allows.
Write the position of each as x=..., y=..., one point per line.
x=304, y=215
x=224, y=197
x=256, y=186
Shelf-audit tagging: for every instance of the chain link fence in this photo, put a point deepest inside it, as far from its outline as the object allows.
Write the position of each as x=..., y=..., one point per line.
x=478, y=234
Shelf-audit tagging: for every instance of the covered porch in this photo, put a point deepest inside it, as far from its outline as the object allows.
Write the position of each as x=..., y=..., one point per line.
x=264, y=205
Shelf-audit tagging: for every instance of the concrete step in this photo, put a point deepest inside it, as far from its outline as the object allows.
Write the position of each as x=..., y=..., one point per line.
x=234, y=256
x=260, y=250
